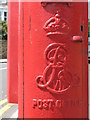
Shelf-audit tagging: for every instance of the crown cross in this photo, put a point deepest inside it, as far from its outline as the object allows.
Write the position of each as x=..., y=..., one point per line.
x=56, y=25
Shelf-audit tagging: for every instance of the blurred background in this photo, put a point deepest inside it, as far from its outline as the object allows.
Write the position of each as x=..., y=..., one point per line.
x=3, y=29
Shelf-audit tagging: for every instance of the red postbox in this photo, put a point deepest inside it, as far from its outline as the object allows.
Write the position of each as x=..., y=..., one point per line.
x=53, y=72
x=12, y=58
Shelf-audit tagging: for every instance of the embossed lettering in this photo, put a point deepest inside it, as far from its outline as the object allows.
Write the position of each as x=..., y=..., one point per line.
x=59, y=103
x=34, y=103
x=40, y=104
x=47, y=104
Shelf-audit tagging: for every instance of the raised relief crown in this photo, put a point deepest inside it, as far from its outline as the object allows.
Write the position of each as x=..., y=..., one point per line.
x=56, y=25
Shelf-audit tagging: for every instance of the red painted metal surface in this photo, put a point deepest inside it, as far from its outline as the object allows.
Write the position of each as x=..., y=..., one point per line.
x=12, y=58
x=53, y=72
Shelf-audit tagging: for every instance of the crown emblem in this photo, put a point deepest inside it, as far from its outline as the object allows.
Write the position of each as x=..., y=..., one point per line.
x=56, y=25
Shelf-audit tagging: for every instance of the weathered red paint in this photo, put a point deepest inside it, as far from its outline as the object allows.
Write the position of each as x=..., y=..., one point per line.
x=53, y=72
x=12, y=56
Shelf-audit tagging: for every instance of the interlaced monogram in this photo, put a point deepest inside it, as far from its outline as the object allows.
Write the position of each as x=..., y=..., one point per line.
x=55, y=78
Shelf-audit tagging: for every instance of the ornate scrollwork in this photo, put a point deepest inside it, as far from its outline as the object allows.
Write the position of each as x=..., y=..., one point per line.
x=55, y=78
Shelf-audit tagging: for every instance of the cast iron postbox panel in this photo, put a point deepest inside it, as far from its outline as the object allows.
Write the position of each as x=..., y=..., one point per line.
x=53, y=60
x=12, y=52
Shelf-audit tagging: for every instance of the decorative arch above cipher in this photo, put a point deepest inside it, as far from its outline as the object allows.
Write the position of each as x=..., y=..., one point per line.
x=56, y=25
x=55, y=78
